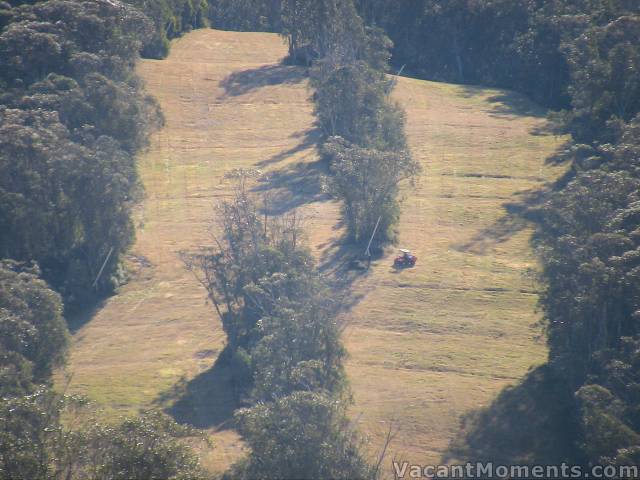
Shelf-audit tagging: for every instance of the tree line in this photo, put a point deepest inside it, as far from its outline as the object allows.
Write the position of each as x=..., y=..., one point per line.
x=72, y=117
x=283, y=347
x=363, y=128
x=282, y=328
x=35, y=442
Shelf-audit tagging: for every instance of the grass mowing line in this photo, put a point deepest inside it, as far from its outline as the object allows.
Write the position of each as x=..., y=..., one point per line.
x=229, y=104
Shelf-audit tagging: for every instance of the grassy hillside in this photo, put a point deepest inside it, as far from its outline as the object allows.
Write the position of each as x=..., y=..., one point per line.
x=434, y=342
x=426, y=344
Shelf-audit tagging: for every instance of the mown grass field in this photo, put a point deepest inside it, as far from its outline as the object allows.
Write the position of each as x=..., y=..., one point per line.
x=426, y=345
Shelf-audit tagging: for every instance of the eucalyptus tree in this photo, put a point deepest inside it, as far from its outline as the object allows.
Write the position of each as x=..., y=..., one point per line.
x=304, y=435
x=367, y=182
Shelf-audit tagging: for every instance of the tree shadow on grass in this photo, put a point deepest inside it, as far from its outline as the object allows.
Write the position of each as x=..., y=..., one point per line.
x=206, y=401
x=531, y=423
x=506, y=102
x=309, y=139
x=293, y=186
x=81, y=316
x=522, y=212
x=341, y=262
x=245, y=81
x=517, y=216
x=345, y=262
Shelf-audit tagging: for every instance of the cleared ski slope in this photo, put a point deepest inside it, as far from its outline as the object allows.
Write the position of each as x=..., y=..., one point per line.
x=426, y=345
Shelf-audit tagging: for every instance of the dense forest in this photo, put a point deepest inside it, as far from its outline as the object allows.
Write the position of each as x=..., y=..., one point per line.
x=73, y=116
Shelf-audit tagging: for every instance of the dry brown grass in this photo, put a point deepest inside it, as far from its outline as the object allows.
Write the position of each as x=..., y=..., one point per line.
x=426, y=344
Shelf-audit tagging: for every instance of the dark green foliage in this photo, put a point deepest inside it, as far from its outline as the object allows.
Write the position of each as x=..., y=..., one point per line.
x=605, y=79
x=33, y=334
x=171, y=19
x=590, y=260
x=275, y=308
x=284, y=347
x=140, y=448
x=367, y=181
x=52, y=192
x=246, y=15
x=35, y=444
x=516, y=44
x=609, y=405
x=33, y=340
x=248, y=252
x=30, y=435
x=348, y=78
x=299, y=349
x=304, y=435
x=352, y=103
x=72, y=118
x=63, y=36
x=321, y=29
x=606, y=435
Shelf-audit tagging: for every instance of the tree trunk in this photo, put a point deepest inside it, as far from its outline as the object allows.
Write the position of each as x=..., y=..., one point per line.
x=458, y=57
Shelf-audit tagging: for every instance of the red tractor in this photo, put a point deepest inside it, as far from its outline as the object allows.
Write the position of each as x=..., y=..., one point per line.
x=405, y=260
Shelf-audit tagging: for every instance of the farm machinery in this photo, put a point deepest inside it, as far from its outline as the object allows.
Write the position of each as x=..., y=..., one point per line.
x=405, y=259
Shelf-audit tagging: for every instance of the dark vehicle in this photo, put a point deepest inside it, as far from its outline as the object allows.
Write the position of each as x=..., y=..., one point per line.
x=405, y=260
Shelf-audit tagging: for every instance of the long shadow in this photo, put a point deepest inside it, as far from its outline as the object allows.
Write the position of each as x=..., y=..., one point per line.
x=522, y=212
x=299, y=184
x=81, y=316
x=293, y=186
x=309, y=138
x=517, y=216
x=344, y=263
x=240, y=83
x=206, y=401
x=506, y=102
x=533, y=422
x=296, y=184
x=512, y=103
